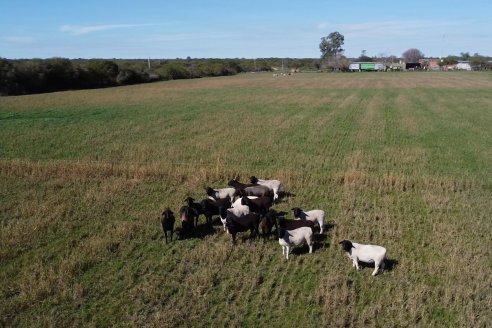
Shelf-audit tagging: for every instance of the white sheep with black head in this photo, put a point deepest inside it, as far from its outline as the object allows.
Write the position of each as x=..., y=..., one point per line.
x=273, y=185
x=217, y=193
x=316, y=216
x=295, y=237
x=365, y=253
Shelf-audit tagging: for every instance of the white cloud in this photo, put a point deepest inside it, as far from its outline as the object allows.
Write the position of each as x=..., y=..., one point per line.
x=322, y=25
x=397, y=28
x=18, y=39
x=79, y=30
x=189, y=36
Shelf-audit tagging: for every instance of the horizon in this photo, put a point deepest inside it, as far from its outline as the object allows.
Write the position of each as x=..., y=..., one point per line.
x=234, y=30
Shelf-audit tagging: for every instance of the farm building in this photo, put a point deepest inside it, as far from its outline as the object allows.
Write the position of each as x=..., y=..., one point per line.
x=413, y=66
x=463, y=65
x=396, y=67
x=433, y=65
x=366, y=66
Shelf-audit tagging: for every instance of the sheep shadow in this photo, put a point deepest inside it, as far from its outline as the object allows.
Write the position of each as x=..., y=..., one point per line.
x=201, y=231
x=304, y=249
x=389, y=265
x=282, y=195
x=320, y=241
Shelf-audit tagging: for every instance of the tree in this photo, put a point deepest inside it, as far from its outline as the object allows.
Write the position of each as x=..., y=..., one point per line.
x=465, y=55
x=412, y=55
x=449, y=60
x=364, y=57
x=331, y=45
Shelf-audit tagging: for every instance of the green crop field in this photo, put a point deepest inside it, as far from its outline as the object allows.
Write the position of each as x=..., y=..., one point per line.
x=401, y=160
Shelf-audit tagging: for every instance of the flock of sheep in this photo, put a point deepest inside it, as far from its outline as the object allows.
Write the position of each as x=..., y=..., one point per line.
x=242, y=207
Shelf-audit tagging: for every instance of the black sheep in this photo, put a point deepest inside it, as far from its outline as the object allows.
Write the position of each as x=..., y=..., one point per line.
x=167, y=222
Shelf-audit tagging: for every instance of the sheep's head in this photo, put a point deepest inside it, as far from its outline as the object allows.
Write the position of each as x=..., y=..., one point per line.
x=209, y=191
x=271, y=215
x=167, y=214
x=281, y=226
x=189, y=200
x=253, y=179
x=244, y=200
x=167, y=219
x=347, y=245
x=296, y=211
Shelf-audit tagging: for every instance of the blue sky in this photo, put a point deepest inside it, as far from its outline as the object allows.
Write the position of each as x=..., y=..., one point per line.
x=239, y=29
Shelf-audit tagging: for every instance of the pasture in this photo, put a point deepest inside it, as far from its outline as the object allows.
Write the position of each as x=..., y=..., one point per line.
x=401, y=160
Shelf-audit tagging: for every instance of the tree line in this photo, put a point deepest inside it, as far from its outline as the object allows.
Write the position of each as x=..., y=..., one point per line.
x=27, y=76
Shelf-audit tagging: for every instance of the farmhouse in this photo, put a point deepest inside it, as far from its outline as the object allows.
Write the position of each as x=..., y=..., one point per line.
x=433, y=65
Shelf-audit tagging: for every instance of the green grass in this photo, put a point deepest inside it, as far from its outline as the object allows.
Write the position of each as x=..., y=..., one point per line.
x=397, y=159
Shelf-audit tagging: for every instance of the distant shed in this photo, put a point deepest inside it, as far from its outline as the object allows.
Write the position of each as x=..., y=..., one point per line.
x=366, y=66
x=413, y=66
x=396, y=67
x=464, y=66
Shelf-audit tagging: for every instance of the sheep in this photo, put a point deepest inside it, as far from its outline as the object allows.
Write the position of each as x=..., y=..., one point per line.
x=221, y=193
x=241, y=224
x=250, y=189
x=188, y=217
x=211, y=207
x=235, y=212
x=273, y=185
x=365, y=253
x=197, y=207
x=267, y=222
x=313, y=215
x=167, y=222
x=288, y=238
x=296, y=224
x=260, y=205
x=238, y=202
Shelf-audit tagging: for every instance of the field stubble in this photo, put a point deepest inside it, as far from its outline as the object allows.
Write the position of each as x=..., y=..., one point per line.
x=401, y=160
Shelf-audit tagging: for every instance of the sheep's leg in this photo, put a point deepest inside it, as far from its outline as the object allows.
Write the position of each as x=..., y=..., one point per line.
x=165, y=235
x=310, y=248
x=356, y=264
x=171, y=235
x=376, y=268
x=321, y=227
x=287, y=251
x=252, y=233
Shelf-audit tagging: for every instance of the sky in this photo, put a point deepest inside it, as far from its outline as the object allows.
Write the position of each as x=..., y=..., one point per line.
x=240, y=29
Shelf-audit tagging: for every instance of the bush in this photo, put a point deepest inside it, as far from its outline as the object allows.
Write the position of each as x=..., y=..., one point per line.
x=173, y=71
x=128, y=76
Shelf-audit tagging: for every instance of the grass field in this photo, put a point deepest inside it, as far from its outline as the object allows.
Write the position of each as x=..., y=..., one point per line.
x=397, y=159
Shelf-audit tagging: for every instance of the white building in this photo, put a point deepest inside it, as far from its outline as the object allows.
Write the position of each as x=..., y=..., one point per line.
x=464, y=66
